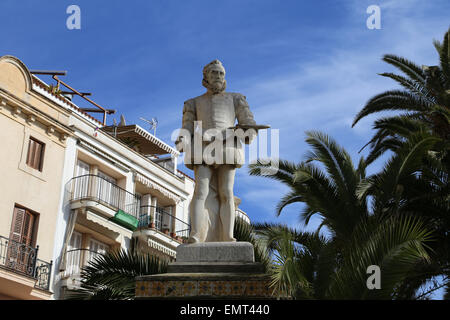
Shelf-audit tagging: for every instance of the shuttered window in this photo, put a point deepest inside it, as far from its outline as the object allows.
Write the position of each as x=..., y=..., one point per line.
x=22, y=228
x=22, y=239
x=35, y=155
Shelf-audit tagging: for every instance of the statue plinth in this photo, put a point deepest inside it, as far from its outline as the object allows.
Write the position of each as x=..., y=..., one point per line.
x=216, y=252
x=209, y=270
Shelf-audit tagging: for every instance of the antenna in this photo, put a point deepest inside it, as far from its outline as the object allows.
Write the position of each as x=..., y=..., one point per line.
x=153, y=124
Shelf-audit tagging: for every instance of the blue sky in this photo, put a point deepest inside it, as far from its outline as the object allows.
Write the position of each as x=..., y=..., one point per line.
x=303, y=65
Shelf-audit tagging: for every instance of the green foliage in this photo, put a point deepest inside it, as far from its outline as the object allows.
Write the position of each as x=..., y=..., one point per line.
x=245, y=232
x=112, y=276
x=310, y=266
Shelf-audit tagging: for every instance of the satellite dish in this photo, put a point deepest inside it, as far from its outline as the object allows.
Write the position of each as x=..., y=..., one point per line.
x=153, y=124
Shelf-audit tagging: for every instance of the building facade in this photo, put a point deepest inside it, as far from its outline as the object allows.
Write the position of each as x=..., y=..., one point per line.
x=33, y=138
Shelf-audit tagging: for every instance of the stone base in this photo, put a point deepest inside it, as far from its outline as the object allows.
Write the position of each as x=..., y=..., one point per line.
x=216, y=252
x=209, y=270
x=215, y=267
x=204, y=286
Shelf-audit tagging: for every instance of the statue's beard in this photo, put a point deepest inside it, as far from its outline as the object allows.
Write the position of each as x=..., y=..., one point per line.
x=215, y=87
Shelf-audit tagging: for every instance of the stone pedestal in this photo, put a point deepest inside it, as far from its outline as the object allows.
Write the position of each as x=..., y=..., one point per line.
x=209, y=270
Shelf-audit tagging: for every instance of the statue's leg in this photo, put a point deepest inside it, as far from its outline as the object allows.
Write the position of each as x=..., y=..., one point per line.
x=199, y=226
x=227, y=211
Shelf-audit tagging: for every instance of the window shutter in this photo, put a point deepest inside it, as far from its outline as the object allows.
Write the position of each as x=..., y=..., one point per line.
x=30, y=154
x=27, y=234
x=22, y=233
x=35, y=154
x=17, y=224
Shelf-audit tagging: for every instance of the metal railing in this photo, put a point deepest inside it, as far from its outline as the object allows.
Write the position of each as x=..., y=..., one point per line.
x=162, y=220
x=21, y=258
x=73, y=91
x=99, y=189
x=42, y=274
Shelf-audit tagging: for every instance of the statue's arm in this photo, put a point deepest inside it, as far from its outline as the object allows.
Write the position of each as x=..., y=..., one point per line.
x=243, y=113
x=244, y=116
x=187, y=127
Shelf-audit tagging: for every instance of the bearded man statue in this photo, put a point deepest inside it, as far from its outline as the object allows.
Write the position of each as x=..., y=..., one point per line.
x=212, y=208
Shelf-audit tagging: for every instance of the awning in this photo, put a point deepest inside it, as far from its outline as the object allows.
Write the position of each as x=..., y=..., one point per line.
x=153, y=185
x=105, y=223
x=162, y=248
x=147, y=143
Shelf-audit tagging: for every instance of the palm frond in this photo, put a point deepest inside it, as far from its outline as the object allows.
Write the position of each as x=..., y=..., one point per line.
x=413, y=86
x=245, y=232
x=111, y=276
x=394, y=100
x=408, y=67
x=444, y=56
x=395, y=245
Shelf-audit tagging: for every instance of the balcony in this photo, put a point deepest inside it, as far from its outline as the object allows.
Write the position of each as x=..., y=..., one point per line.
x=102, y=196
x=164, y=222
x=22, y=259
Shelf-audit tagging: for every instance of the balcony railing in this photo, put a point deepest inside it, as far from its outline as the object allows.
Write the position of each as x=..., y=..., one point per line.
x=163, y=221
x=21, y=258
x=96, y=188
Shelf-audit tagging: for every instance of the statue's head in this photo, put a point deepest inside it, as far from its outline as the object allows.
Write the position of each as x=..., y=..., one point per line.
x=214, y=77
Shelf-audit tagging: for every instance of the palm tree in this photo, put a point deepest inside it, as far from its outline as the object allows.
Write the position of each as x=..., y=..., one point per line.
x=425, y=103
x=111, y=276
x=311, y=266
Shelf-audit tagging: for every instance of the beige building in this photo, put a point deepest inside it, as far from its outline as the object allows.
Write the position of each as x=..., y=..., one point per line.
x=33, y=137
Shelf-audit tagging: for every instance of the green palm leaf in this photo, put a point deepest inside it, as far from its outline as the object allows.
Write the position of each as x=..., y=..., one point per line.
x=112, y=275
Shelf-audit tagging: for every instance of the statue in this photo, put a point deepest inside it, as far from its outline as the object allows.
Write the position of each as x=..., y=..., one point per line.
x=212, y=206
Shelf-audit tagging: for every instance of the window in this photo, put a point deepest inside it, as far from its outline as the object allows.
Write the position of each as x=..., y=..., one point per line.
x=35, y=155
x=73, y=258
x=21, y=245
x=96, y=248
x=81, y=187
x=107, y=189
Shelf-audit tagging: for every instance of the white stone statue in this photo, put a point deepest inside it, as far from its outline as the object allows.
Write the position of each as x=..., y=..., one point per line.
x=212, y=207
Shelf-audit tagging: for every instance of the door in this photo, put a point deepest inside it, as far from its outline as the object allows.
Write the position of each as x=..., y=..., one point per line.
x=21, y=252
x=73, y=260
x=107, y=189
x=96, y=248
x=81, y=181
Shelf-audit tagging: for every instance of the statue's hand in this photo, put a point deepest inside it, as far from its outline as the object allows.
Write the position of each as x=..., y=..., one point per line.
x=250, y=134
